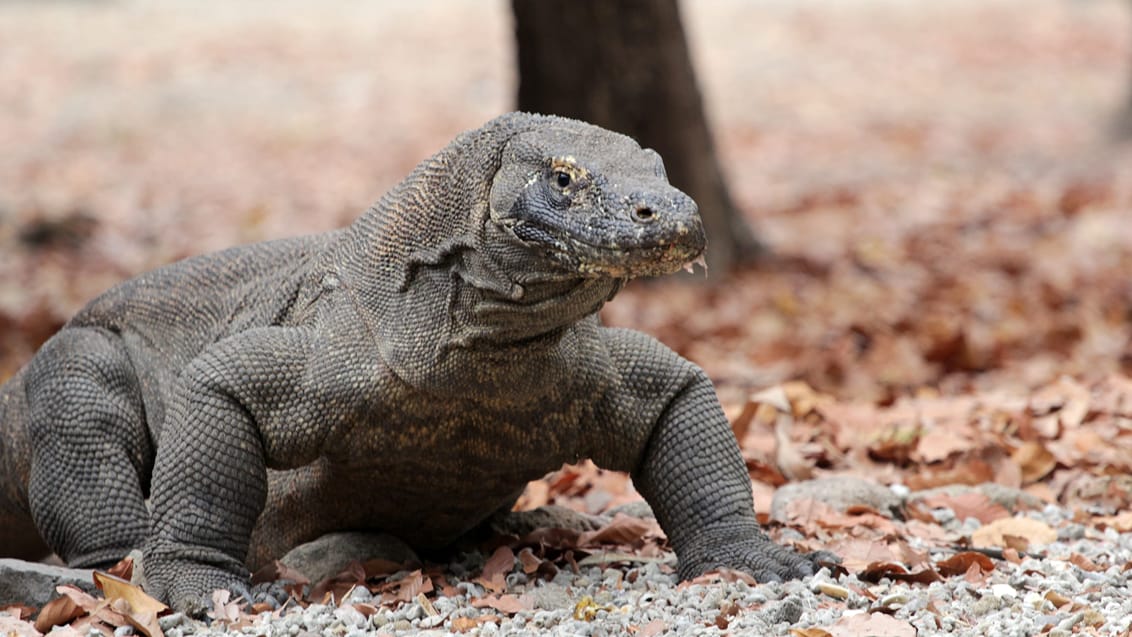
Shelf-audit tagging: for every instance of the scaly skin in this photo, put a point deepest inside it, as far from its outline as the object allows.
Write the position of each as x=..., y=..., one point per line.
x=407, y=374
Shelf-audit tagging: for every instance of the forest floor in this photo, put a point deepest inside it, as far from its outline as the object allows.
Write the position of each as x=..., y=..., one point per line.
x=947, y=296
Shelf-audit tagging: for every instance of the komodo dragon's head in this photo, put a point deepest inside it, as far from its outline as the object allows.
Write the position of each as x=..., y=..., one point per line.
x=593, y=202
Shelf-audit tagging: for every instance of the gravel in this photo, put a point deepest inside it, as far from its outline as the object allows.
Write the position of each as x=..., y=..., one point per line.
x=1013, y=599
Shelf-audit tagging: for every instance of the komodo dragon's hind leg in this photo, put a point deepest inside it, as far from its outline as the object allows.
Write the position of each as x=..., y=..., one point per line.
x=90, y=447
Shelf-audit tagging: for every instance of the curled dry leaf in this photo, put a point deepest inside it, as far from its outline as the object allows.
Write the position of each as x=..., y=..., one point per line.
x=622, y=530
x=59, y=611
x=496, y=569
x=787, y=454
x=960, y=563
x=1035, y=461
x=124, y=569
x=528, y=560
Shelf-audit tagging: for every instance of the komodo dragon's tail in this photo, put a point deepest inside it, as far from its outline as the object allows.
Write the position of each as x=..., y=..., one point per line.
x=18, y=537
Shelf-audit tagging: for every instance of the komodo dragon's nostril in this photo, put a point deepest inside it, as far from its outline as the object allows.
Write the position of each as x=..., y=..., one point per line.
x=643, y=214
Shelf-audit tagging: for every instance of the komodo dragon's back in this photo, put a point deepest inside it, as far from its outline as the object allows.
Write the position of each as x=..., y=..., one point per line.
x=164, y=318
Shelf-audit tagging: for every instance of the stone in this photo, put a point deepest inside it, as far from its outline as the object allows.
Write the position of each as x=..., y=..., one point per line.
x=329, y=554
x=839, y=492
x=33, y=583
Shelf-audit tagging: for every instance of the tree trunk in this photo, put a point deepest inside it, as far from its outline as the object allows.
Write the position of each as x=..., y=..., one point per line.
x=624, y=65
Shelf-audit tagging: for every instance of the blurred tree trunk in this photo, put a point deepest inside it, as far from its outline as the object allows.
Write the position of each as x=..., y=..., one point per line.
x=1123, y=123
x=624, y=65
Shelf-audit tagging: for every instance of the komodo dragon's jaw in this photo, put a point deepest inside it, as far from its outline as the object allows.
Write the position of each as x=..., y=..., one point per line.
x=594, y=203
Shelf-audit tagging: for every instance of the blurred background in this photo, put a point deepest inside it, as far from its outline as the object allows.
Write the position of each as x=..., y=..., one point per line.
x=935, y=195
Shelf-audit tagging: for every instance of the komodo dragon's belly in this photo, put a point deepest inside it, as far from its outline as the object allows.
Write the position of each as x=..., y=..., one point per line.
x=430, y=473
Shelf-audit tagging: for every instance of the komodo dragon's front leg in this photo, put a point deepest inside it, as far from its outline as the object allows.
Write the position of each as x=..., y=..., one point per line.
x=244, y=404
x=685, y=462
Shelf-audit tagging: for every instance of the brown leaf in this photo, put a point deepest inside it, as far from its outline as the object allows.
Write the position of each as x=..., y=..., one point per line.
x=1084, y=563
x=465, y=624
x=622, y=529
x=338, y=585
x=1057, y=599
x=124, y=569
x=875, y=572
x=18, y=610
x=405, y=589
x=378, y=568
x=858, y=554
x=959, y=563
x=496, y=569
x=938, y=443
x=1035, y=461
x=528, y=560
x=501, y=562
x=787, y=454
x=59, y=611
x=742, y=423
x=971, y=504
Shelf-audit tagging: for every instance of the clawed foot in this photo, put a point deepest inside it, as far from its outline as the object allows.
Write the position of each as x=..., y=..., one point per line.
x=748, y=549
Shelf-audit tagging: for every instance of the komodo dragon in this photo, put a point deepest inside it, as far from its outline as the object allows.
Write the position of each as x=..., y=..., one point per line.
x=439, y=353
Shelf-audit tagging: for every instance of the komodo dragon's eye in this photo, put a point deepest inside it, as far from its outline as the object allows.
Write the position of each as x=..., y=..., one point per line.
x=562, y=178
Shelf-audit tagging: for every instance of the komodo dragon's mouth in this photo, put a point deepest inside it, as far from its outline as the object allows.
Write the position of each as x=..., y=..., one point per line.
x=656, y=257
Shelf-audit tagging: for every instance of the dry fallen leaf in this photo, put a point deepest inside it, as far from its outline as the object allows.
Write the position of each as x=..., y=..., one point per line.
x=57, y=612
x=12, y=627
x=996, y=533
x=960, y=563
x=971, y=504
x=871, y=625
x=224, y=608
x=496, y=569
x=141, y=609
x=1035, y=461
x=509, y=604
